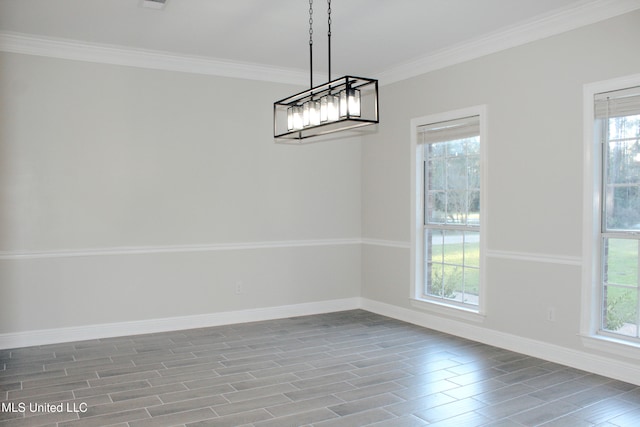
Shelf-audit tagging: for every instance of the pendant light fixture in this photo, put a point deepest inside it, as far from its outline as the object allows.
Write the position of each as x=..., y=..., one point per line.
x=341, y=104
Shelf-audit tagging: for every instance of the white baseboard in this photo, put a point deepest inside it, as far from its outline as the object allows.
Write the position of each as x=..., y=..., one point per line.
x=613, y=368
x=601, y=365
x=79, y=333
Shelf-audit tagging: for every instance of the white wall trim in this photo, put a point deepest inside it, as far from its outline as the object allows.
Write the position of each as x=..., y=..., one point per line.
x=566, y=19
x=612, y=368
x=536, y=257
x=611, y=345
x=437, y=308
x=158, y=60
x=211, y=247
x=629, y=372
x=387, y=243
x=78, y=333
x=142, y=250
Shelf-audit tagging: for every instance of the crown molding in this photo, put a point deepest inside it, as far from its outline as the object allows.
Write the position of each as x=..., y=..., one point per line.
x=562, y=20
x=119, y=55
x=571, y=17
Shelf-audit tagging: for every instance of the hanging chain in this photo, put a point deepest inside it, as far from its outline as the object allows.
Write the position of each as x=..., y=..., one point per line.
x=310, y=21
x=329, y=15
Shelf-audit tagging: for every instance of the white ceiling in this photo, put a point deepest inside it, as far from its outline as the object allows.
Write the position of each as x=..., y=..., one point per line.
x=370, y=38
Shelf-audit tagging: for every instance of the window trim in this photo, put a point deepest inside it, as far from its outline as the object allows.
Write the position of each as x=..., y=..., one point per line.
x=417, y=215
x=590, y=300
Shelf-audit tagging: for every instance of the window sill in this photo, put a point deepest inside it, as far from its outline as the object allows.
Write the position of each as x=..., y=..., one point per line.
x=448, y=310
x=608, y=344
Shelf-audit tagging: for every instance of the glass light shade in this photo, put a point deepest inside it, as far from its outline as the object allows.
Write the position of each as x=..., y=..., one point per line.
x=350, y=103
x=333, y=108
x=290, y=118
x=324, y=109
x=329, y=108
x=354, y=102
x=306, y=113
x=314, y=113
x=297, y=118
x=343, y=103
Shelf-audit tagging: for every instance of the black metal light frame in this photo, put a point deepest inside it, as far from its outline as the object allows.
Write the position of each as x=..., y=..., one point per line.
x=368, y=113
x=357, y=98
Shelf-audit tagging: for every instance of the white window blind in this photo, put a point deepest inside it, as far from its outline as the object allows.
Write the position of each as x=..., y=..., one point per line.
x=618, y=103
x=450, y=130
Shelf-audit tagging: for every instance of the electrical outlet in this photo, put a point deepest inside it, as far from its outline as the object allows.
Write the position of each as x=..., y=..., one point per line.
x=239, y=288
x=551, y=314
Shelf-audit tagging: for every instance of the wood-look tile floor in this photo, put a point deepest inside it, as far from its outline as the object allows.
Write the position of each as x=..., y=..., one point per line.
x=351, y=368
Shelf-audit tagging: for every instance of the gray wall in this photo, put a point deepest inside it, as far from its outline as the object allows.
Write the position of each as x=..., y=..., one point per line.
x=534, y=99
x=97, y=159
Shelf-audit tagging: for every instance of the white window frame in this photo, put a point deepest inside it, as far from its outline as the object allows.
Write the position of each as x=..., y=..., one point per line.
x=591, y=249
x=417, y=216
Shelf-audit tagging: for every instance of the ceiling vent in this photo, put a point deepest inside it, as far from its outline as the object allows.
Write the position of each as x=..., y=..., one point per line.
x=153, y=4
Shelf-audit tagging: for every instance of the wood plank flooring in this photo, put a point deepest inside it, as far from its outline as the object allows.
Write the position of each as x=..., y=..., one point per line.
x=351, y=368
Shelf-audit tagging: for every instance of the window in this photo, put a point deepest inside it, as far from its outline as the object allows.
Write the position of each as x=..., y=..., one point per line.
x=447, y=254
x=617, y=116
x=611, y=279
